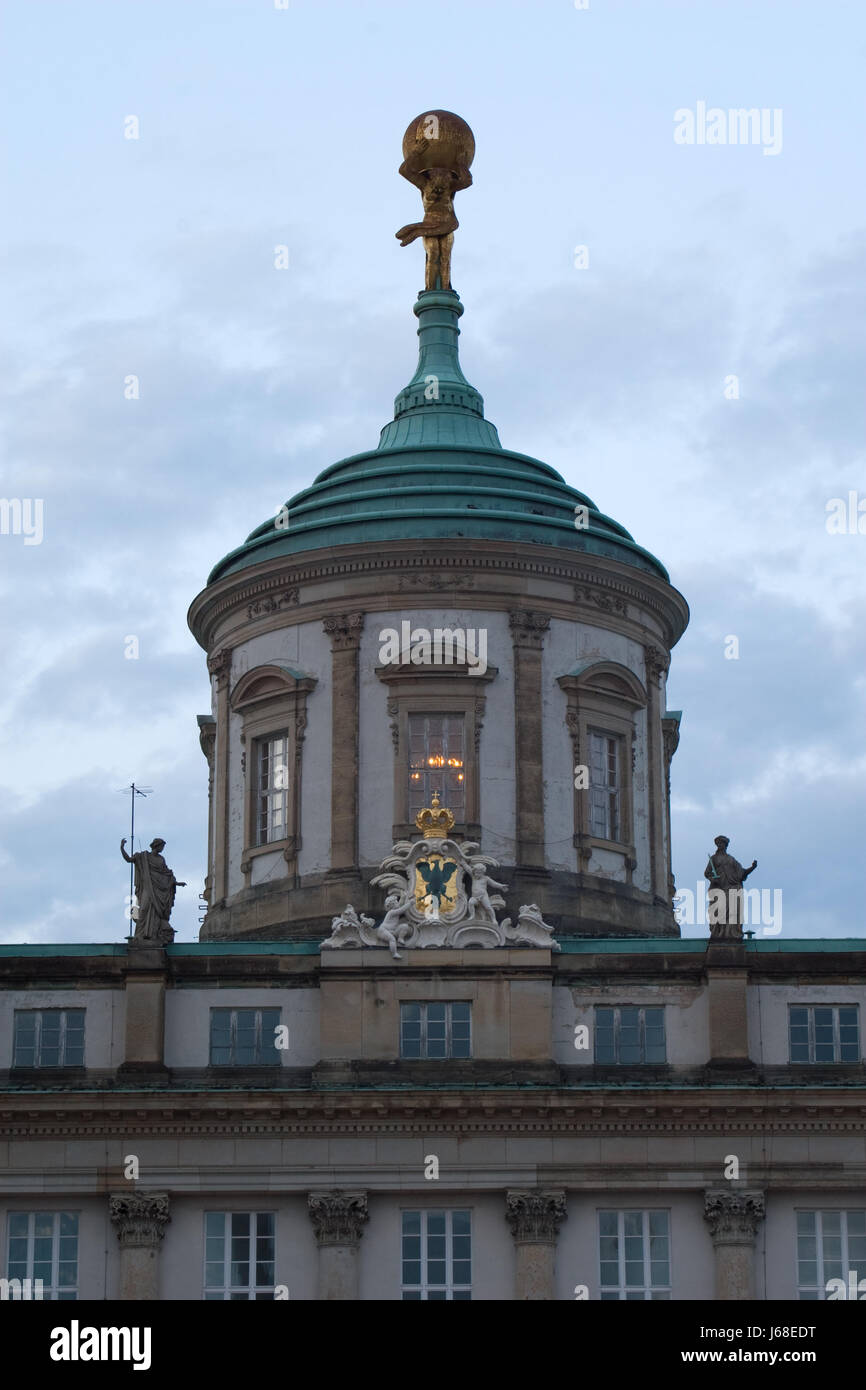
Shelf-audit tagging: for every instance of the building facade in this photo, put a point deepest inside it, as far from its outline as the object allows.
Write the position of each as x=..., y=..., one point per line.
x=358, y=1085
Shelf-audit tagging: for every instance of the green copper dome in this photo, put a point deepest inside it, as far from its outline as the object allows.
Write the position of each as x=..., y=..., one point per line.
x=439, y=472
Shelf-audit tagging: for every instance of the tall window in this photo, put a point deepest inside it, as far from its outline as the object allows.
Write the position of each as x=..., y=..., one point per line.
x=435, y=1030
x=437, y=762
x=629, y=1034
x=437, y=1256
x=634, y=1255
x=49, y=1038
x=44, y=1245
x=244, y=1037
x=824, y=1033
x=272, y=783
x=604, y=784
x=238, y=1256
x=829, y=1245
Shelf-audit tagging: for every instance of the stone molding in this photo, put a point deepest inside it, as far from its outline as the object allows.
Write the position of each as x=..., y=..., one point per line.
x=535, y=1215
x=338, y=1217
x=733, y=1215
x=140, y=1218
x=396, y=567
x=273, y=603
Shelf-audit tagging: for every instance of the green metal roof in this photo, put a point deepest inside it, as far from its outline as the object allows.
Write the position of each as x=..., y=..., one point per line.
x=582, y=945
x=439, y=472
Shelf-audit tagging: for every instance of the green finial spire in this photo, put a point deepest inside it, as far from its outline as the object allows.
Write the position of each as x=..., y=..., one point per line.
x=439, y=406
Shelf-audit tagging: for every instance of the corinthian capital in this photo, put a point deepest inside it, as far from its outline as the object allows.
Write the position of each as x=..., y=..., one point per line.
x=528, y=629
x=344, y=630
x=733, y=1215
x=338, y=1217
x=220, y=664
x=657, y=662
x=140, y=1218
x=535, y=1215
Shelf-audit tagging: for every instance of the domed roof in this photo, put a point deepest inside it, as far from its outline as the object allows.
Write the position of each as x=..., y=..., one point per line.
x=439, y=472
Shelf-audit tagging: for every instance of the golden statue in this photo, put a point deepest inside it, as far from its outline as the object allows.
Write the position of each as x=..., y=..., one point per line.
x=438, y=149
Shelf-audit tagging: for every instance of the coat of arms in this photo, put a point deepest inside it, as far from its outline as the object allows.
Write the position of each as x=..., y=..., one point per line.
x=439, y=894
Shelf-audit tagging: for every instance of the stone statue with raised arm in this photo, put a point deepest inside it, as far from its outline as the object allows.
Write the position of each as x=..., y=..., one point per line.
x=726, y=877
x=155, y=888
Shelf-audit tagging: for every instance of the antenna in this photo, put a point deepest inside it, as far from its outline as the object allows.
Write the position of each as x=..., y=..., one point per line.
x=134, y=791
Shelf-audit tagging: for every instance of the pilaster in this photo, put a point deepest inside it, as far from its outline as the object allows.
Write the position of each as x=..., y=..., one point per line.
x=140, y=1219
x=527, y=634
x=733, y=1217
x=344, y=630
x=338, y=1222
x=535, y=1218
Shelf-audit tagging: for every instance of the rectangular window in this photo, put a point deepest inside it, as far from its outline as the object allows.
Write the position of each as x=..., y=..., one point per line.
x=824, y=1033
x=437, y=1256
x=628, y=1035
x=604, y=781
x=437, y=762
x=244, y=1037
x=272, y=788
x=49, y=1038
x=44, y=1245
x=435, y=1030
x=830, y=1244
x=634, y=1255
x=238, y=1256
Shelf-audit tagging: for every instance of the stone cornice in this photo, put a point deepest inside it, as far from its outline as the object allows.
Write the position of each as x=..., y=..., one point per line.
x=505, y=1111
x=598, y=587
x=140, y=1218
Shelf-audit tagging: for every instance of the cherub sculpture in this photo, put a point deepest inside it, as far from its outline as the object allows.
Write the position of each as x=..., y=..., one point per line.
x=479, y=897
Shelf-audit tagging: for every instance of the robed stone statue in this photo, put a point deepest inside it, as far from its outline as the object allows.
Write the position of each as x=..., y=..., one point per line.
x=155, y=888
x=726, y=877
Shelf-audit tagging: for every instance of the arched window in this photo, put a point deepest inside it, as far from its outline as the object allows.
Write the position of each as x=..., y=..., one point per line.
x=603, y=699
x=272, y=703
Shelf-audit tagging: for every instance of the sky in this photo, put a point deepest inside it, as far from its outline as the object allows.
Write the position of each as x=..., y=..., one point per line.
x=698, y=370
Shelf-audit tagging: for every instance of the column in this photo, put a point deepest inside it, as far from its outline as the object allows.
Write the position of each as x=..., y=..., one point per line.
x=207, y=742
x=344, y=630
x=338, y=1221
x=535, y=1218
x=656, y=664
x=527, y=635
x=140, y=1219
x=733, y=1217
x=219, y=666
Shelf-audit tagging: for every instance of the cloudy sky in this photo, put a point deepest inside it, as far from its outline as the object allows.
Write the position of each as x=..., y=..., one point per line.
x=153, y=257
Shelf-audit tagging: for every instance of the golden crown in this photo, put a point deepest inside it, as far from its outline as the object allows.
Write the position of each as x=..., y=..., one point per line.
x=434, y=821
